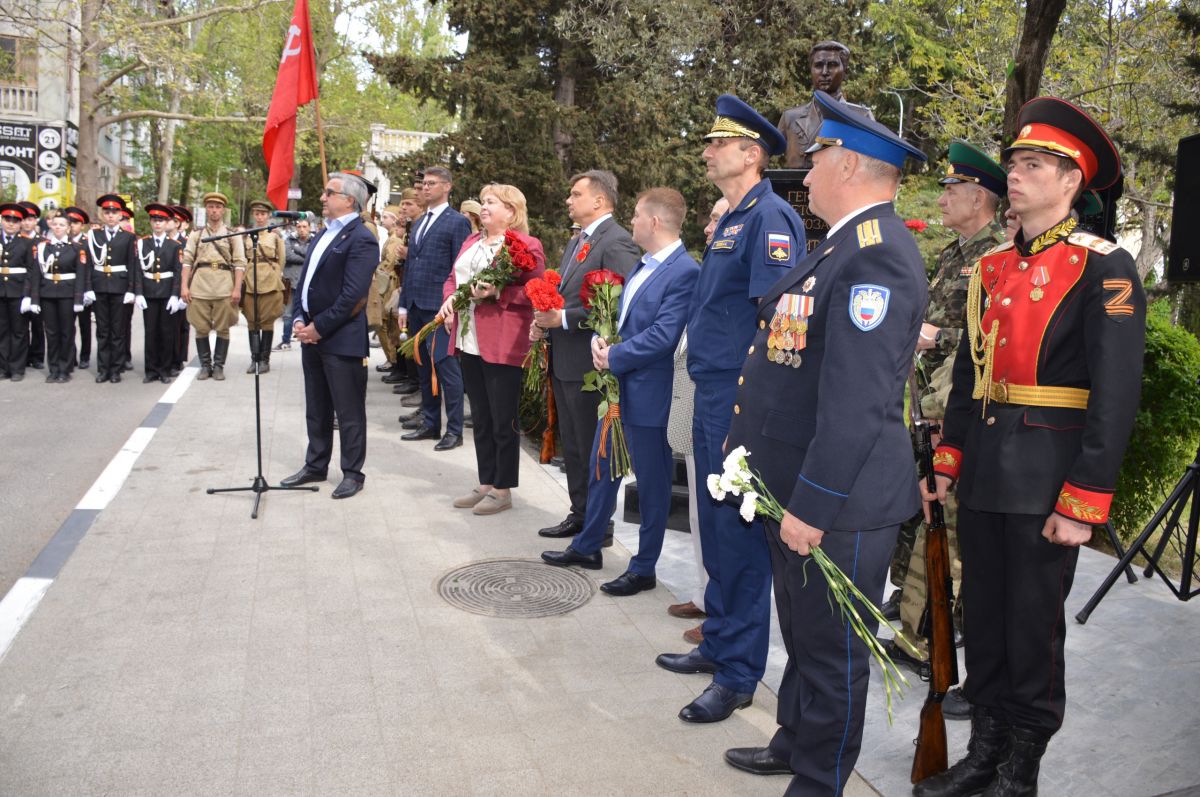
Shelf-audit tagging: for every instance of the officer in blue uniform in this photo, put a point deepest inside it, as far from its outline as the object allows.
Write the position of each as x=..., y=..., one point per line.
x=820, y=408
x=755, y=244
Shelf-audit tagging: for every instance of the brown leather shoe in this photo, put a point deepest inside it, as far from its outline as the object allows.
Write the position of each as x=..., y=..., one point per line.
x=694, y=635
x=687, y=611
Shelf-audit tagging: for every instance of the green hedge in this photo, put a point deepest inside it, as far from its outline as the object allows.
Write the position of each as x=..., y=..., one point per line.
x=1167, y=429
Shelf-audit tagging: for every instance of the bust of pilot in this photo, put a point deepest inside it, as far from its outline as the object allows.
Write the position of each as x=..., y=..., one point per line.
x=828, y=62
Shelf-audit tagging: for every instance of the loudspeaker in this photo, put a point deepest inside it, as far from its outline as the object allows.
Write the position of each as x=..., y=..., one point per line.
x=1183, y=255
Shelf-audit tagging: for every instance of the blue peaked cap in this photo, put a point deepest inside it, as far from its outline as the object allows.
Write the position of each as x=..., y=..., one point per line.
x=736, y=119
x=843, y=127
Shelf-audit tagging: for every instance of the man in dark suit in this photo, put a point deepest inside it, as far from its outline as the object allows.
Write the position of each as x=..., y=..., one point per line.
x=820, y=408
x=437, y=237
x=654, y=309
x=602, y=243
x=329, y=319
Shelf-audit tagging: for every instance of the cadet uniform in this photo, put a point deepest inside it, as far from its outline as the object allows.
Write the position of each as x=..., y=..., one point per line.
x=1046, y=387
x=754, y=245
x=212, y=273
x=16, y=265
x=113, y=282
x=83, y=317
x=820, y=408
x=58, y=290
x=266, y=280
x=183, y=328
x=947, y=311
x=161, y=266
x=37, y=331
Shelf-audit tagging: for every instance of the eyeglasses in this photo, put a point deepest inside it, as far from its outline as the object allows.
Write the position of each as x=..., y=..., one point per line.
x=331, y=192
x=431, y=183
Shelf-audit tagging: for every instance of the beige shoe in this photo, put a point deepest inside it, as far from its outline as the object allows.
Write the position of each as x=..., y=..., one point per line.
x=491, y=504
x=469, y=500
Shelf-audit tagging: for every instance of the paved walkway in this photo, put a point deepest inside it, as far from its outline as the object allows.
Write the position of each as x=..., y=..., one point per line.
x=185, y=649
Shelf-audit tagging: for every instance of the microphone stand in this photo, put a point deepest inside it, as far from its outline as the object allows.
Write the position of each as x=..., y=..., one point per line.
x=259, y=485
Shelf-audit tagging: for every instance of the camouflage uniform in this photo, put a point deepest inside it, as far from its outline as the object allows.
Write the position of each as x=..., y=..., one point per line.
x=947, y=311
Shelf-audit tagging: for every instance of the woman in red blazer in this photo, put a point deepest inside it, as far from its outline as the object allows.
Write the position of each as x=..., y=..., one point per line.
x=493, y=346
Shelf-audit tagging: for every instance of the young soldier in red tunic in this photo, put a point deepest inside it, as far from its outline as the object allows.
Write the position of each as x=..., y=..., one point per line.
x=1046, y=386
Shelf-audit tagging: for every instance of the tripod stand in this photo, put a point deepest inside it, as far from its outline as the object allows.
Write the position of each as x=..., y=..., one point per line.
x=1186, y=491
x=259, y=484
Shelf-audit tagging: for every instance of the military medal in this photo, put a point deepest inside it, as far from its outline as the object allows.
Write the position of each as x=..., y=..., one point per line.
x=808, y=284
x=1041, y=276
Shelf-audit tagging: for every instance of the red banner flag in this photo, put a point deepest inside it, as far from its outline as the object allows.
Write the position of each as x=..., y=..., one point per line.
x=295, y=85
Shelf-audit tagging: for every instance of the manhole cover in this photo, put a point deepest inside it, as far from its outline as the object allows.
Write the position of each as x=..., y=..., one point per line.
x=515, y=588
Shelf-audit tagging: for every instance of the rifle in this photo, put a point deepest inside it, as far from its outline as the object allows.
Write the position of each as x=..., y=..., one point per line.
x=930, y=757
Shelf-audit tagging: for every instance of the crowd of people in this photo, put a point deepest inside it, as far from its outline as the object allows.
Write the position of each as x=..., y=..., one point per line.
x=1031, y=343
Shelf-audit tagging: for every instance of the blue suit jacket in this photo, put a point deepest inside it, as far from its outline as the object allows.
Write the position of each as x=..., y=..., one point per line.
x=431, y=258
x=337, y=295
x=644, y=360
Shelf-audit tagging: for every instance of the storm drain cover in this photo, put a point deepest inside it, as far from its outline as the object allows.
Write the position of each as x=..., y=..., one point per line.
x=515, y=588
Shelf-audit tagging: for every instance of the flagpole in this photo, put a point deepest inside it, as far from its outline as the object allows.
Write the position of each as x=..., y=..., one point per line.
x=321, y=141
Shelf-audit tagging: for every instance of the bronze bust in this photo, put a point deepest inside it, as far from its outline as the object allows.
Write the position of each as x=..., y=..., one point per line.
x=828, y=62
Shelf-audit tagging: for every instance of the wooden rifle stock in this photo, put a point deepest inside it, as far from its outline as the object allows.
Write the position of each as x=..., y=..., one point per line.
x=930, y=757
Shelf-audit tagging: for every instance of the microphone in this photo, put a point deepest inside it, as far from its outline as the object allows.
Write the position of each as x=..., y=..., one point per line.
x=288, y=214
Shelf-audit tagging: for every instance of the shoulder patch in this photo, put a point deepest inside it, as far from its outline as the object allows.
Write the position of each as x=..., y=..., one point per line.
x=1093, y=242
x=868, y=305
x=999, y=248
x=779, y=247
x=1116, y=304
x=868, y=233
x=724, y=244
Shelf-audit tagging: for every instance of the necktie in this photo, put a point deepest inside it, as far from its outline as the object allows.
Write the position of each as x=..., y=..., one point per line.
x=421, y=230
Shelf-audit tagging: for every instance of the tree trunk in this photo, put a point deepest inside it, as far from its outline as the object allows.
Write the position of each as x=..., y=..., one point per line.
x=1151, y=251
x=168, y=150
x=1041, y=22
x=564, y=97
x=87, y=166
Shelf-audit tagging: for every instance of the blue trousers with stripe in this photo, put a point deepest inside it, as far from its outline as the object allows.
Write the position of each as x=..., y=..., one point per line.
x=824, y=690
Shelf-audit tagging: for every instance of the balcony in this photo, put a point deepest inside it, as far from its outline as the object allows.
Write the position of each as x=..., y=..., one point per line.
x=387, y=143
x=18, y=101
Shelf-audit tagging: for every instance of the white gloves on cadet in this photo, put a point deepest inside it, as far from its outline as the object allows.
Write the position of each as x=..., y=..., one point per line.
x=128, y=299
x=89, y=297
x=140, y=301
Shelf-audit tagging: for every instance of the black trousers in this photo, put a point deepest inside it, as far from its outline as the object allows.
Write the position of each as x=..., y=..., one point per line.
x=37, y=339
x=161, y=331
x=495, y=393
x=824, y=690
x=84, y=319
x=112, y=330
x=1014, y=585
x=14, y=337
x=335, y=384
x=577, y=428
x=128, y=355
x=183, y=330
x=59, y=321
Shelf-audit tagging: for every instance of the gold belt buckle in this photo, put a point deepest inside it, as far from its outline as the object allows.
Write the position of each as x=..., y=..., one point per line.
x=4, y=271
x=107, y=270
x=157, y=276
x=1000, y=392
x=57, y=277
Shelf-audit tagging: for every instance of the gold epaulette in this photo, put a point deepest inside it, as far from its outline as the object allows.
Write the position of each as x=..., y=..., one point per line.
x=1000, y=247
x=868, y=233
x=1093, y=242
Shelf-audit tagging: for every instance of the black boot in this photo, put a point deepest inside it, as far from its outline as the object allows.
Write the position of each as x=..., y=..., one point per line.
x=1017, y=776
x=264, y=350
x=205, y=352
x=255, y=347
x=987, y=748
x=219, y=353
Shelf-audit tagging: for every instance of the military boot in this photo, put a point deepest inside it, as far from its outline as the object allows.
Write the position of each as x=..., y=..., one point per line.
x=1017, y=776
x=205, y=353
x=989, y=746
x=264, y=351
x=255, y=348
x=219, y=353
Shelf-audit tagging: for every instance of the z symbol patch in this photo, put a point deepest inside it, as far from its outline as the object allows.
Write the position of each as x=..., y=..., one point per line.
x=1117, y=305
x=779, y=247
x=868, y=306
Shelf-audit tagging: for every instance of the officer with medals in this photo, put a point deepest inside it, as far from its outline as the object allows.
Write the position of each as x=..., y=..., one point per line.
x=820, y=408
x=160, y=261
x=113, y=282
x=265, y=280
x=212, y=285
x=58, y=294
x=755, y=244
x=16, y=265
x=1046, y=386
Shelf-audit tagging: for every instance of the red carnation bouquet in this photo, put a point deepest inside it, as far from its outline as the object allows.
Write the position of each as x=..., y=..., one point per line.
x=543, y=295
x=601, y=296
x=916, y=225
x=512, y=259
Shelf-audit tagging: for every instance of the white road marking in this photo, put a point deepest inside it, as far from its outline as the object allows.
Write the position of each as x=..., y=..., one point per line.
x=17, y=607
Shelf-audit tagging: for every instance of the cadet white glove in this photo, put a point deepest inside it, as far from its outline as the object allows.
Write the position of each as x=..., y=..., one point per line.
x=77, y=308
x=172, y=305
x=89, y=297
x=36, y=309
x=128, y=298
x=140, y=301
x=181, y=304
x=25, y=304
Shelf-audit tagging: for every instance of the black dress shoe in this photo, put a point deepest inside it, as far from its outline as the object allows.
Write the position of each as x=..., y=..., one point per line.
x=385, y=368
x=629, y=584
x=588, y=561
x=166, y=380
x=85, y=364
x=347, y=488
x=414, y=423
x=423, y=433
x=17, y=377
x=757, y=761
x=37, y=364
x=101, y=378
x=302, y=476
x=412, y=416
x=64, y=378
x=405, y=388
x=567, y=528
x=715, y=704
x=955, y=706
x=686, y=663
x=448, y=442
x=891, y=607
x=900, y=655
x=147, y=379
x=115, y=378
x=393, y=378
